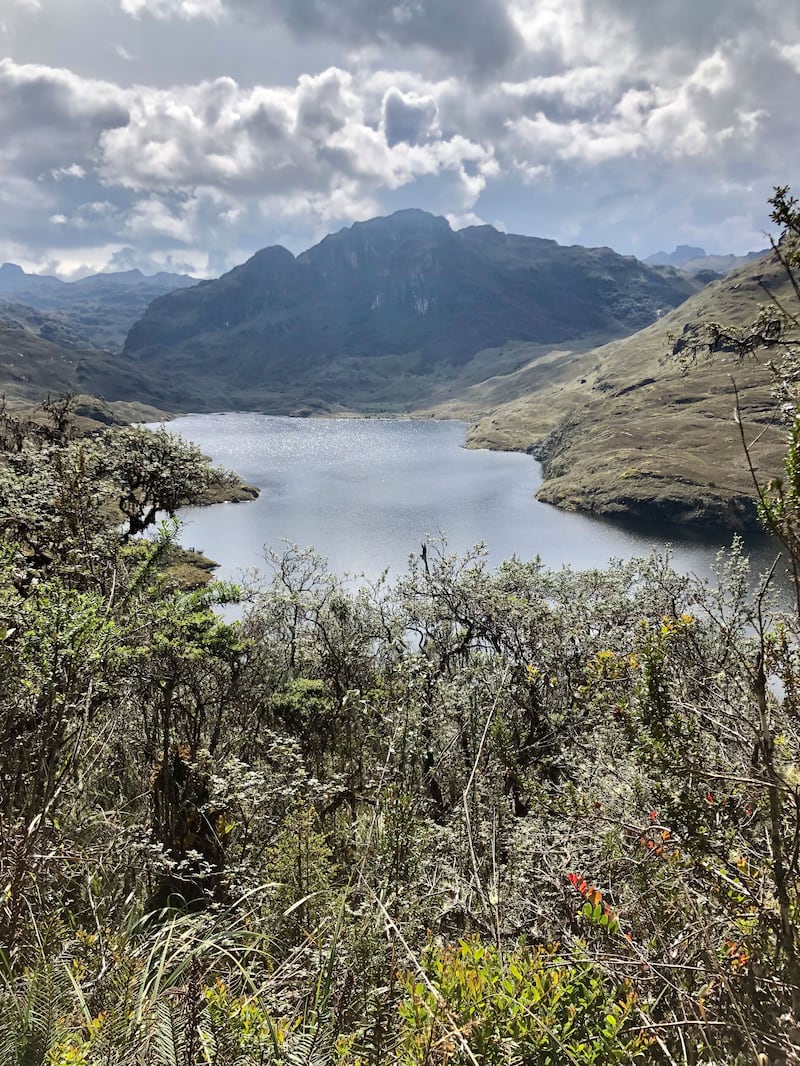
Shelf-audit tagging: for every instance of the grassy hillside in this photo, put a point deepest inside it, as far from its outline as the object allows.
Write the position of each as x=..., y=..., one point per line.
x=32, y=367
x=626, y=429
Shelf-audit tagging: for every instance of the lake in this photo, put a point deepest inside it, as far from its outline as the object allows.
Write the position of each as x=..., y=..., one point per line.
x=366, y=493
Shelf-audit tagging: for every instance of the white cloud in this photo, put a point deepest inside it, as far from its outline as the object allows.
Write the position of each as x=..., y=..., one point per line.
x=152, y=216
x=48, y=115
x=74, y=170
x=164, y=9
x=315, y=139
x=791, y=53
x=468, y=218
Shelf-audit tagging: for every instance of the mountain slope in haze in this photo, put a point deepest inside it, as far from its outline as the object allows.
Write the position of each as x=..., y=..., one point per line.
x=99, y=309
x=377, y=314
x=50, y=326
x=31, y=367
x=627, y=430
x=698, y=260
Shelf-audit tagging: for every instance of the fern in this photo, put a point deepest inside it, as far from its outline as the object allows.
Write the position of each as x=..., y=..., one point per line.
x=34, y=1013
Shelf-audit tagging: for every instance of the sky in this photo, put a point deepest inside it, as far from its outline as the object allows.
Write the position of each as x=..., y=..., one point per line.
x=186, y=134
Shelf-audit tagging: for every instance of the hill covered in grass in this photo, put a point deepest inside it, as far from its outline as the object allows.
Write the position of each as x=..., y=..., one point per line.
x=628, y=429
x=33, y=367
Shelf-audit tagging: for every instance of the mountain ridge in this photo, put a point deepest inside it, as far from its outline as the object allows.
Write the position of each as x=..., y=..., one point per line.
x=695, y=260
x=402, y=287
x=99, y=309
x=529, y=340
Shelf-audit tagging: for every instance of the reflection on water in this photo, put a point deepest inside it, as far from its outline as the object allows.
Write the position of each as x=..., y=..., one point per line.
x=366, y=492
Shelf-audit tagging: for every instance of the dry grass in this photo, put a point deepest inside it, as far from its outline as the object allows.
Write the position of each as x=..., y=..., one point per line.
x=634, y=432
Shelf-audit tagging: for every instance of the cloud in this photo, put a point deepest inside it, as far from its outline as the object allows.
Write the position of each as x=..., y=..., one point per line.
x=689, y=26
x=479, y=34
x=572, y=118
x=164, y=9
x=48, y=114
x=75, y=170
x=129, y=257
x=204, y=165
x=408, y=117
x=316, y=138
x=791, y=53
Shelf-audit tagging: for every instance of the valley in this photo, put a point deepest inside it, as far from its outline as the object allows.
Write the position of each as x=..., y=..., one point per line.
x=563, y=352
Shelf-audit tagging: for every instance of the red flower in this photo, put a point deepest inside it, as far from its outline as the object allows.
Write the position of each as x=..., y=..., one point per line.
x=653, y=815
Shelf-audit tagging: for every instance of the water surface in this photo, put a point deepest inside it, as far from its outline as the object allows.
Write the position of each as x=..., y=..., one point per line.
x=366, y=493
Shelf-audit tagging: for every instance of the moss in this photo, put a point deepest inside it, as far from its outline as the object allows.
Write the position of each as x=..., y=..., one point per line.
x=224, y=491
x=188, y=569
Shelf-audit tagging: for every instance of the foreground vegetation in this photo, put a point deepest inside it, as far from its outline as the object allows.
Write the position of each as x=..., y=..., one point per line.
x=467, y=816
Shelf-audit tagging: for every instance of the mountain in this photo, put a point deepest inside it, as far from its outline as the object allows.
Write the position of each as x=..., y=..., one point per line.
x=697, y=260
x=683, y=254
x=379, y=313
x=50, y=326
x=629, y=430
x=100, y=309
x=31, y=366
x=13, y=279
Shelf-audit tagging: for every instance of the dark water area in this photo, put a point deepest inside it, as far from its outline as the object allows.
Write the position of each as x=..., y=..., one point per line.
x=366, y=492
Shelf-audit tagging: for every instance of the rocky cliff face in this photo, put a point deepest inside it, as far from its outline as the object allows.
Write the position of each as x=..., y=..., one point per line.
x=404, y=286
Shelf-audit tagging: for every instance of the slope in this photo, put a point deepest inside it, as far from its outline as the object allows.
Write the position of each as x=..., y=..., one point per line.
x=627, y=430
x=31, y=367
x=100, y=308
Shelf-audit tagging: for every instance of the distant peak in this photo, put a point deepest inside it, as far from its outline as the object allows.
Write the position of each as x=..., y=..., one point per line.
x=272, y=258
x=407, y=218
x=10, y=269
x=684, y=253
x=272, y=251
x=417, y=215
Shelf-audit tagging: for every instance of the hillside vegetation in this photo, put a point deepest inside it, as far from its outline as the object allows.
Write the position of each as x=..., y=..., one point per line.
x=31, y=368
x=467, y=818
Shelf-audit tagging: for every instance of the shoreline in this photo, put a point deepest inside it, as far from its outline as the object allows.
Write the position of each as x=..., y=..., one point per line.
x=641, y=501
